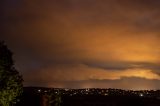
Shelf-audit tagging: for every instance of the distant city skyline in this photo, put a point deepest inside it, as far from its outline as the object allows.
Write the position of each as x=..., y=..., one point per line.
x=84, y=43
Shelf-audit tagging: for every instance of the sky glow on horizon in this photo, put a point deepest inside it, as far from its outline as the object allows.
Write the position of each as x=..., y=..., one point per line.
x=84, y=43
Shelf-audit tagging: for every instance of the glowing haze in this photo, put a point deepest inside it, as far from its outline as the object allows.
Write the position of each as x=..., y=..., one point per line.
x=84, y=43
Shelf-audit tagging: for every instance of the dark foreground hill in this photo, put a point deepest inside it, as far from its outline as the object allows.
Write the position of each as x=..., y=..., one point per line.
x=35, y=97
x=109, y=101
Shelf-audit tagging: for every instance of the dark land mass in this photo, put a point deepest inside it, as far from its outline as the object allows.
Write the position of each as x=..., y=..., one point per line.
x=34, y=96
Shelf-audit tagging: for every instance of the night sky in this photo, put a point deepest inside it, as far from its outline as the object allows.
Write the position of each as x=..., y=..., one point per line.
x=84, y=43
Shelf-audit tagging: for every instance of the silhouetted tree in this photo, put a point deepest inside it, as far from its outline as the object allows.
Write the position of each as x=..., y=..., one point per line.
x=11, y=86
x=52, y=99
x=55, y=99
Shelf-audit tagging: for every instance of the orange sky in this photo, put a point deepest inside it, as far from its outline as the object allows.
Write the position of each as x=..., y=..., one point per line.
x=85, y=43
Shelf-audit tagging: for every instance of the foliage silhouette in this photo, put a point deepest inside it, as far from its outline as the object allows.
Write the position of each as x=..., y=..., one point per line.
x=11, y=86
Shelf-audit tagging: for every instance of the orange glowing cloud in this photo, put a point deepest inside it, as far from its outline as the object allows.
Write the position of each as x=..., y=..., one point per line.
x=78, y=40
x=82, y=73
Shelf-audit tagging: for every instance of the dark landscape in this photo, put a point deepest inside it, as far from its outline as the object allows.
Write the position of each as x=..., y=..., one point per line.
x=36, y=96
x=79, y=52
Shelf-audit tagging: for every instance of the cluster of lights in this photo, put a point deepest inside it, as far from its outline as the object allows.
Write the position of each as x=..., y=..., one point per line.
x=104, y=92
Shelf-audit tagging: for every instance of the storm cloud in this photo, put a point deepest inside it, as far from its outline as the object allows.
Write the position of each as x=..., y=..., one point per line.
x=71, y=43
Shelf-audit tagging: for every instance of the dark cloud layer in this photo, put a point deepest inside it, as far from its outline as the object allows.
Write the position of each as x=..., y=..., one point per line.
x=99, y=43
